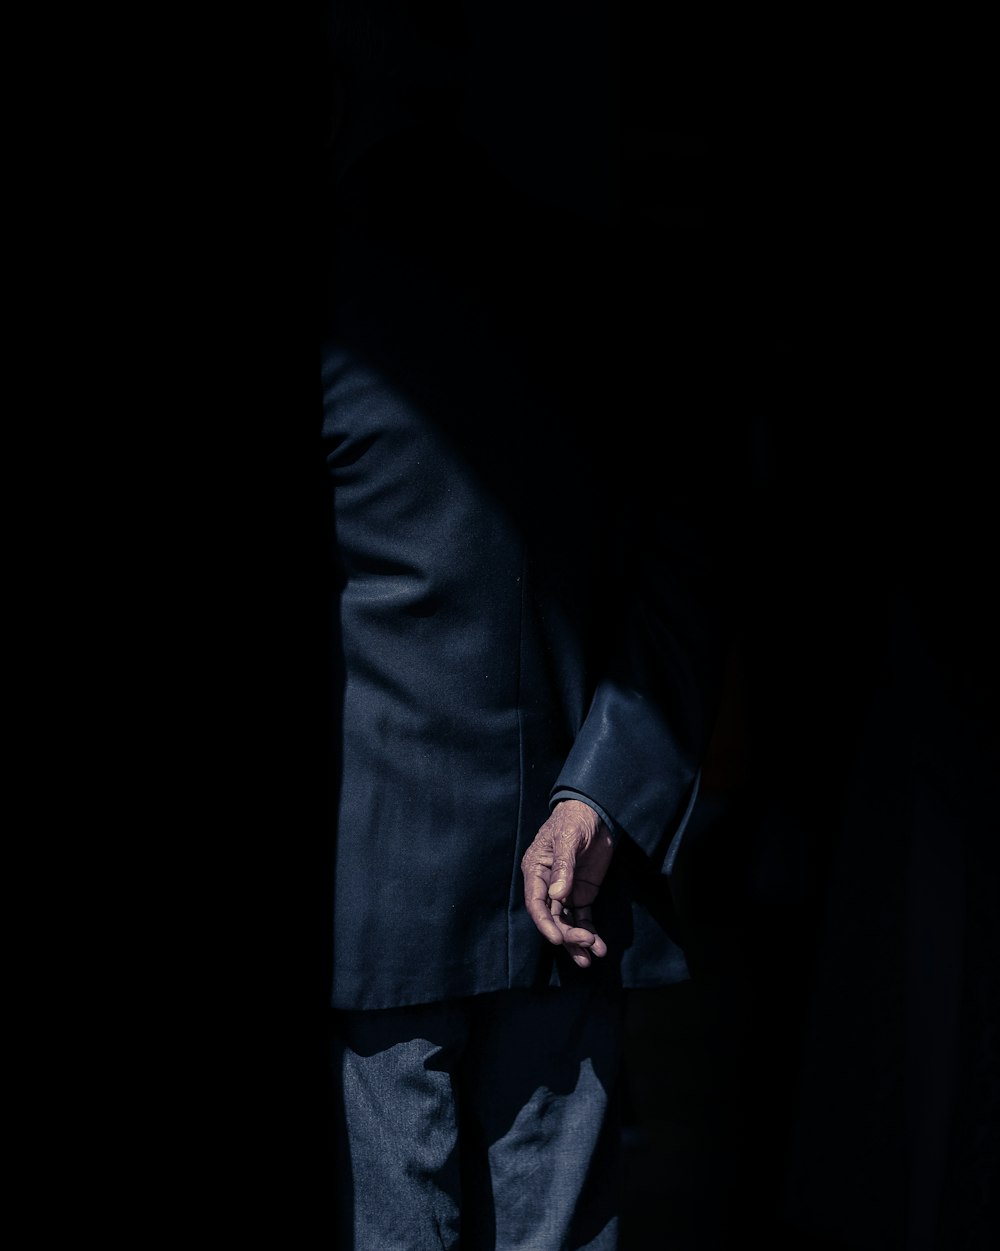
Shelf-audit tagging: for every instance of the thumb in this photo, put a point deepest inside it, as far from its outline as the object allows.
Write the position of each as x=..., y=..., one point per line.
x=561, y=881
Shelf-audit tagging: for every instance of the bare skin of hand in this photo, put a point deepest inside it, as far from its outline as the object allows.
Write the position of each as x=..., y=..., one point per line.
x=563, y=870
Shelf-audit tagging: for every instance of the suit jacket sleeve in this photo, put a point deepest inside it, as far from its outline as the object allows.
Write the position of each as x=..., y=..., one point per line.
x=677, y=489
x=638, y=753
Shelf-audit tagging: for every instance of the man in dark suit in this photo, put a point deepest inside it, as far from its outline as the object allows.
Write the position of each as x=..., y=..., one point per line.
x=528, y=628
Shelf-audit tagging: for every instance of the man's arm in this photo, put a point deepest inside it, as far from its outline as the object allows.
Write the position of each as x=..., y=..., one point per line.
x=636, y=760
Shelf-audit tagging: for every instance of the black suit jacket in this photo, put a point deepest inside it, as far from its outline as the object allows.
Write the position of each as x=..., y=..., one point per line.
x=524, y=590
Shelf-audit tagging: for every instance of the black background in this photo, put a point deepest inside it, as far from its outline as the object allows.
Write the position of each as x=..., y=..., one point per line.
x=824, y=173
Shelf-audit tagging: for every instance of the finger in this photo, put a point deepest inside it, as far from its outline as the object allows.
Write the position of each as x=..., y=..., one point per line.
x=536, y=868
x=538, y=906
x=536, y=884
x=579, y=936
x=561, y=880
x=576, y=914
x=546, y=924
x=582, y=955
x=597, y=947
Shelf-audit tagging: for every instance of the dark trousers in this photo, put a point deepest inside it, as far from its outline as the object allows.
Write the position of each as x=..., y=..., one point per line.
x=486, y=1124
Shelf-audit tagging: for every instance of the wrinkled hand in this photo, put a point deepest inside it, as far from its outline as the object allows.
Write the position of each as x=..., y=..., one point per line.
x=563, y=870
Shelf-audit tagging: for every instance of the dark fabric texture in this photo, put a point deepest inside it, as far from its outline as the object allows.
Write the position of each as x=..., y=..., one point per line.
x=480, y=1150
x=525, y=573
